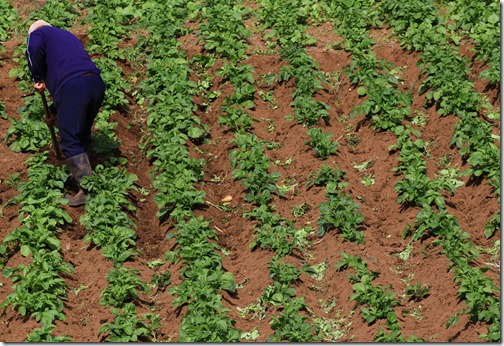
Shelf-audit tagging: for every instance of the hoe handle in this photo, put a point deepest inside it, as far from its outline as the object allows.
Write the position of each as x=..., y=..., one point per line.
x=55, y=142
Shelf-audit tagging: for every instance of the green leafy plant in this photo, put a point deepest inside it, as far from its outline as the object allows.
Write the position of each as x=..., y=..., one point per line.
x=235, y=118
x=123, y=287
x=326, y=175
x=291, y=326
x=339, y=212
x=251, y=166
x=39, y=290
x=395, y=336
x=267, y=96
x=206, y=319
x=417, y=292
x=321, y=143
x=285, y=273
x=162, y=279
x=38, y=287
x=359, y=265
x=107, y=224
x=128, y=327
x=27, y=135
x=380, y=302
x=274, y=232
x=301, y=209
x=44, y=334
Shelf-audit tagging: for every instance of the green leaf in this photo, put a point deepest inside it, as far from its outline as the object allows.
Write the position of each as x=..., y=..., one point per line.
x=452, y=321
x=489, y=232
x=25, y=250
x=404, y=255
x=195, y=132
x=278, y=298
x=321, y=230
x=228, y=282
x=55, y=242
x=361, y=91
x=493, y=18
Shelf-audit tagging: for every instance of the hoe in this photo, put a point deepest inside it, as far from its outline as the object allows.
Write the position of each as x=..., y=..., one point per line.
x=55, y=143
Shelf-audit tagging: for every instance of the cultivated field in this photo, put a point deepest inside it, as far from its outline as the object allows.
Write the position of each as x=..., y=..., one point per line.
x=269, y=170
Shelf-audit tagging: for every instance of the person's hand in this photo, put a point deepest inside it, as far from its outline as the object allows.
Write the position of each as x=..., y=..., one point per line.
x=40, y=87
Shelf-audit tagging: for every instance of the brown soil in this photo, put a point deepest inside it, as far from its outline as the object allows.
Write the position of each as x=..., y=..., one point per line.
x=385, y=219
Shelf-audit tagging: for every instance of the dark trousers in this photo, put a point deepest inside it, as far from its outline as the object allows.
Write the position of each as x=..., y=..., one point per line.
x=77, y=105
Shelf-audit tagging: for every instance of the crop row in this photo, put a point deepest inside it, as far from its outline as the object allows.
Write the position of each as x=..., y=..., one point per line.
x=39, y=288
x=287, y=22
x=387, y=107
x=168, y=93
x=106, y=212
x=251, y=166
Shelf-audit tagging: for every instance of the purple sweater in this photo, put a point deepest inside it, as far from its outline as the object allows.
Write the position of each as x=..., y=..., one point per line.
x=55, y=56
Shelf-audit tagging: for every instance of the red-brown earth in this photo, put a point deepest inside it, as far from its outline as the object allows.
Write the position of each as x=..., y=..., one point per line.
x=385, y=219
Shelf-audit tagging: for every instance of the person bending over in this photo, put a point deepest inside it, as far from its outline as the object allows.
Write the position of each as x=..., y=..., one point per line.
x=58, y=62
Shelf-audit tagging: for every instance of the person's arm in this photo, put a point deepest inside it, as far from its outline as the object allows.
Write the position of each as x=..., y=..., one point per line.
x=35, y=54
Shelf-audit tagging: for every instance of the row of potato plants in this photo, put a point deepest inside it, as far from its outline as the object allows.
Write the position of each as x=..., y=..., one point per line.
x=287, y=33
x=10, y=16
x=380, y=300
x=9, y=13
x=109, y=227
x=107, y=210
x=386, y=106
x=448, y=86
x=277, y=234
x=426, y=193
x=168, y=92
x=479, y=20
x=251, y=165
x=477, y=146
x=287, y=23
x=39, y=288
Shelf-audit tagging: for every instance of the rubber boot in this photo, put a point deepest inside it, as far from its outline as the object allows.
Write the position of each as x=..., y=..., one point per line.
x=89, y=151
x=79, y=166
